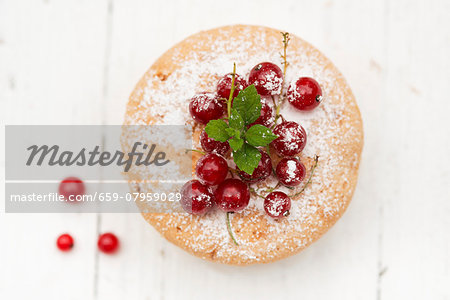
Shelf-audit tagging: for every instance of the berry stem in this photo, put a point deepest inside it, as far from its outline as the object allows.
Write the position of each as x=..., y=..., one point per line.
x=195, y=150
x=285, y=63
x=233, y=75
x=316, y=161
x=270, y=190
x=277, y=111
x=230, y=232
x=256, y=193
x=286, y=40
x=234, y=172
x=277, y=117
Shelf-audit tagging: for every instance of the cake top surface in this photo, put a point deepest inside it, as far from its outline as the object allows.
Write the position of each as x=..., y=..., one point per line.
x=334, y=133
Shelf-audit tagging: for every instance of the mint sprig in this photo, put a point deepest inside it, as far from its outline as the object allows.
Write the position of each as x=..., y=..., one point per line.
x=217, y=130
x=248, y=104
x=236, y=121
x=245, y=110
x=236, y=143
x=259, y=136
x=247, y=158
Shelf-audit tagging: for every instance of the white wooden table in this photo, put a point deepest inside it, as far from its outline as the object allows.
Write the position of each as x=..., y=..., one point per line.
x=75, y=62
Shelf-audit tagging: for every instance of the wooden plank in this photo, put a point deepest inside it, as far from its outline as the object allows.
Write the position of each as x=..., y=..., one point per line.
x=51, y=58
x=414, y=176
x=76, y=62
x=137, y=38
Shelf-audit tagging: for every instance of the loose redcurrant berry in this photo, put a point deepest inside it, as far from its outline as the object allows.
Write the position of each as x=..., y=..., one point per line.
x=71, y=187
x=267, y=78
x=64, y=242
x=224, y=85
x=232, y=195
x=277, y=205
x=211, y=145
x=290, y=171
x=196, y=198
x=305, y=93
x=211, y=169
x=108, y=243
x=291, y=138
x=266, y=118
x=205, y=107
x=262, y=171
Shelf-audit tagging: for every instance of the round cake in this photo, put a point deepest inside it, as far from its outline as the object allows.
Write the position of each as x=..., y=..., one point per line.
x=334, y=131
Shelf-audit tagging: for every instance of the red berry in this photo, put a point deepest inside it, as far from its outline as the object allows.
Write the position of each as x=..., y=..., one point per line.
x=267, y=79
x=211, y=145
x=266, y=117
x=290, y=171
x=224, y=85
x=211, y=169
x=108, y=243
x=305, y=93
x=196, y=198
x=291, y=138
x=262, y=171
x=205, y=107
x=232, y=195
x=71, y=187
x=277, y=205
x=64, y=242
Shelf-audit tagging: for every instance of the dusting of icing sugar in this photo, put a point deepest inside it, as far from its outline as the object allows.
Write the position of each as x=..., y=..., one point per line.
x=290, y=171
x=291, y=137
x=276, y=205
x=170, y=98
x=272, y=83
x=271, y=119
x=204, y=101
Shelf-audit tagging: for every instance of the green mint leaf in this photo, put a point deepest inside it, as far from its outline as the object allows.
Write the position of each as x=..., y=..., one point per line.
x=248, y=104
x=233, y=132
x=259, y=135
x=247, y=158
x=236, y=120
x=236, y=143
x=216, y=129
x=230, y=131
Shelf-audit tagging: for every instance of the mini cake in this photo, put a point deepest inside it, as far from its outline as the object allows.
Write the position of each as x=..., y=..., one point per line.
x=268, y=205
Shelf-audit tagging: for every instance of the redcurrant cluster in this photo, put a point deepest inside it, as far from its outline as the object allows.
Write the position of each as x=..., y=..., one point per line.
x=107, y=242
x=216, y=184
x=70, y=188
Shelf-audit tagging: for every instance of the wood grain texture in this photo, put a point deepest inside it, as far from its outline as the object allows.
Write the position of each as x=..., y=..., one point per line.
x=51, y=62
x=75, y=62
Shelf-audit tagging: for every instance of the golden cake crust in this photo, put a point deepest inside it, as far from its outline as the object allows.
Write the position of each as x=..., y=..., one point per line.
x=334, y=131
